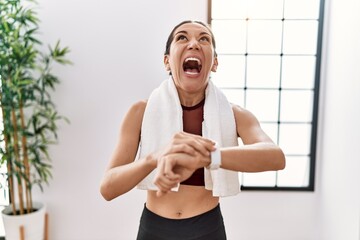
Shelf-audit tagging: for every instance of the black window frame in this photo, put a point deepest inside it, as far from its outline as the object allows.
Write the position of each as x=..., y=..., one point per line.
x=315, y=110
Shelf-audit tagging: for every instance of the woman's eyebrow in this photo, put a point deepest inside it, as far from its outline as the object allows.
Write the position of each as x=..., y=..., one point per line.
x=204, y=33
x=184, y=32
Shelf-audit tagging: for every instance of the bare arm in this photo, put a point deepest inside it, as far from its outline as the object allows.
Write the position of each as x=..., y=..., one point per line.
x=123, y=173
x=258, y=153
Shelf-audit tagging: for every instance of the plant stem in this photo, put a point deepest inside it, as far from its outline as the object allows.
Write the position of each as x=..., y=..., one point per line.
x=26, y=160
x=8, y=164
x=17, y=158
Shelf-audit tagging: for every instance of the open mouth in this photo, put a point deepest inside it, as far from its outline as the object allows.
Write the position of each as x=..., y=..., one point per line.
x=192, y=65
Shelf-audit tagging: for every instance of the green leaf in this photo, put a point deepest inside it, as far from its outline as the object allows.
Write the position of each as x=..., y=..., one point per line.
x=27, y=81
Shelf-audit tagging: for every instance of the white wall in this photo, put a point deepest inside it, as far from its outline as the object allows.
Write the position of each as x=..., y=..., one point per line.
x=117, y=48
x=340, y=154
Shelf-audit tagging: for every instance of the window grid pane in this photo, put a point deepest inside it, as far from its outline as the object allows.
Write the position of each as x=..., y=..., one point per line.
x=271, y=69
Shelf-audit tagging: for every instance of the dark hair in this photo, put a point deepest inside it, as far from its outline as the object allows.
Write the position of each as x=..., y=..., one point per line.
x=171, y=36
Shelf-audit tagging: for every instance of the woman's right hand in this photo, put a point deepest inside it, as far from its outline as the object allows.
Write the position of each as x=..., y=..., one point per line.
x=184, y=154
x=187, y=143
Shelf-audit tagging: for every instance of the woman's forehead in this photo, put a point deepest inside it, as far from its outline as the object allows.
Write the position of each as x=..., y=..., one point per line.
x=187, y=27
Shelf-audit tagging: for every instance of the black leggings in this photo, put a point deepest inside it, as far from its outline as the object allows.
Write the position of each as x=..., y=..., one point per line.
x=206, y=226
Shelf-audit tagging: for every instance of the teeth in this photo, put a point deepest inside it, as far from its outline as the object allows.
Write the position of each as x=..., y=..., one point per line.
x=192, y=73
x=193, y=59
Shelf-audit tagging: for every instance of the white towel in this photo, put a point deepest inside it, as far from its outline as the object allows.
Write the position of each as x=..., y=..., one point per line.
x=163, y=118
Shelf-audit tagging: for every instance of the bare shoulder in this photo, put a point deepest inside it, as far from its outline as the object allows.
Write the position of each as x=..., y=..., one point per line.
x=129, y=135
x=237, y=108
x=138, y=108
x=133, y=118
x=243, y=115
x=248, y=126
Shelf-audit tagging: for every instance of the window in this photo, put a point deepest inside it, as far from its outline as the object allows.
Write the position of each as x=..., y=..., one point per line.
x=269, y=62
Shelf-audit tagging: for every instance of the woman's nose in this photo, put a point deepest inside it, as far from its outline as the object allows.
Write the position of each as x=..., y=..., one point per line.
x=194, y=44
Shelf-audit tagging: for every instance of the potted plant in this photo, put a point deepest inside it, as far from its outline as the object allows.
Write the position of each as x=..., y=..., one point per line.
x=29, y=116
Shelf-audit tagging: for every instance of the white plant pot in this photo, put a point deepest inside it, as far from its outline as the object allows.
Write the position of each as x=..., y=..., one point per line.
x=33, y=223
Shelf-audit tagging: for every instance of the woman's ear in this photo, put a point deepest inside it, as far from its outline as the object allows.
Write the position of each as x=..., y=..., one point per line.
x=215, y=64
x=166, y=62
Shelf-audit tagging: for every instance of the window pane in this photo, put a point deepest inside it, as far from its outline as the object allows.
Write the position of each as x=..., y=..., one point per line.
x=263, y=71
x=300, y=37
x=265, y=9
x=295, y=138
x=234, y=41
x=235, y=96
x=231, y=73
x=298, y=72
x=301, y=9
x=296, y=106
x=229, y=9
x=263, y=103
x=262, y=179
x=296, y=173
x=264, y=37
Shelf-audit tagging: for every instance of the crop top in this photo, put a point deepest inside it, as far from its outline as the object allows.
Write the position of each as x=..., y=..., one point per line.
x=192, y=123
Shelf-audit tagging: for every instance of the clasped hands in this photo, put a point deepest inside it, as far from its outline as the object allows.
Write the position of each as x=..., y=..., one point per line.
x=178, y=161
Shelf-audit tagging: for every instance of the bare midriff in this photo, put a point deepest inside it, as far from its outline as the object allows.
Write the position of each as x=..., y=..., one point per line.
x=188, y=202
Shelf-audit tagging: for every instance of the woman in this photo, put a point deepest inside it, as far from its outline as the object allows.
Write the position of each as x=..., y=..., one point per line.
x=188, y=154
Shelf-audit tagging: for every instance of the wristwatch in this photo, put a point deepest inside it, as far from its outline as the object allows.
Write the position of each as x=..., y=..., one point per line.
x=215, y=159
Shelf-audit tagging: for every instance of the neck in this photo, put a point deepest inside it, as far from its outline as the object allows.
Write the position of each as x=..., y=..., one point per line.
x=189, y=100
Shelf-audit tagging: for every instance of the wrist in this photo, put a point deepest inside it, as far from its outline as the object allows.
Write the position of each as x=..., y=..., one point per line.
x=215, y=159
x=151, y=161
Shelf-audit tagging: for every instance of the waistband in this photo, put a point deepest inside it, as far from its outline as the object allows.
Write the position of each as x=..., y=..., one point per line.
x=213, y=212
x=201, y=226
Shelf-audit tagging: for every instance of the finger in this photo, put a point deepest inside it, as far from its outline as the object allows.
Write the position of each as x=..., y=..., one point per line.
x=201, y=146
x=164, y=183
x=169, y=165
x=190, y=146
x=160, y=166
x=163, y=192
x=183, y=147
x=167, y=181
x=171, y=176
x=208, y=144
x=194, y=162
x=183, y=142
x=200, y=143
x=163, y=189
x=198, y=137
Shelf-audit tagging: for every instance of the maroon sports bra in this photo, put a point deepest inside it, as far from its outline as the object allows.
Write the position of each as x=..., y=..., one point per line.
x=192, y=123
